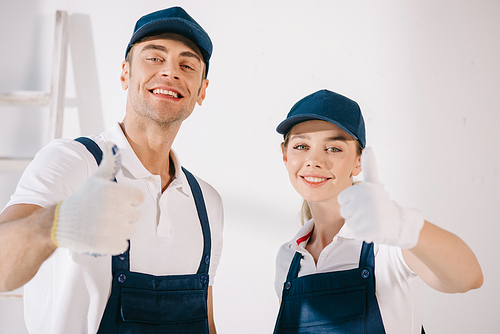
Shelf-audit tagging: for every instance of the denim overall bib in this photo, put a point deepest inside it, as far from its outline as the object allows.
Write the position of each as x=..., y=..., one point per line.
x=142, y=303
x=340, y=302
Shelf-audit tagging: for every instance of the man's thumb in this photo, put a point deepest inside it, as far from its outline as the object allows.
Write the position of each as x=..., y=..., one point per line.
x=111, y=162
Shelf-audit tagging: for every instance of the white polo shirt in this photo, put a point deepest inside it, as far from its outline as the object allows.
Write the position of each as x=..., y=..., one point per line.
x=398, y=289
x=70, y=291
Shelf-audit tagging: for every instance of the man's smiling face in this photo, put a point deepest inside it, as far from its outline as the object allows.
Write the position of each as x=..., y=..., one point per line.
x=164, y=78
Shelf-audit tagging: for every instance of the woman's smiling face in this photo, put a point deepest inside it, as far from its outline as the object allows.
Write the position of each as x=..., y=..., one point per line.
x=320, y=159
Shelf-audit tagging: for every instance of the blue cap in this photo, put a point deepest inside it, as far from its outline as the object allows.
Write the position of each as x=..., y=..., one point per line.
x=327, y=106
x=174, y=20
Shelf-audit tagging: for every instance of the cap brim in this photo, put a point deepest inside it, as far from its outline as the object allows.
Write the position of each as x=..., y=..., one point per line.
x=290, y=122
x=177, y=26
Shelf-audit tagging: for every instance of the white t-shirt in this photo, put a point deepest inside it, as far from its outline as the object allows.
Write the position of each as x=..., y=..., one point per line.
x=70, y=291
x=398, y=288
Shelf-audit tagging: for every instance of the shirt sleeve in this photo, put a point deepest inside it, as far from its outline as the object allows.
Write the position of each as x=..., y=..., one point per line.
x=55, y=173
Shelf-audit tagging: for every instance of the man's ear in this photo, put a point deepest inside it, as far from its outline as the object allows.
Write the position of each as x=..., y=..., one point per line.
x=203, y=91
x=124, y=76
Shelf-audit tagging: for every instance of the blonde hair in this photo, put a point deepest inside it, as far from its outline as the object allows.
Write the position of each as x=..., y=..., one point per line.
x=305, y=213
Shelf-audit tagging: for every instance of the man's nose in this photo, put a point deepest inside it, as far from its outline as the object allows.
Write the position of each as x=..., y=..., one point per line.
x=169, y=69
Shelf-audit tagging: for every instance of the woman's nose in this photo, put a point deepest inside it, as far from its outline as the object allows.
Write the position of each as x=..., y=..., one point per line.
x=315, y=160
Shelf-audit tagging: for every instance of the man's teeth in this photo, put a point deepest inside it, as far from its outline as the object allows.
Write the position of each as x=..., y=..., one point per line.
x=314, y=179
x=165, y=92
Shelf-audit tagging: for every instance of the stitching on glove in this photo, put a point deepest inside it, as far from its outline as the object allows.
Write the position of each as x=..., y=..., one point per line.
x=54, y=225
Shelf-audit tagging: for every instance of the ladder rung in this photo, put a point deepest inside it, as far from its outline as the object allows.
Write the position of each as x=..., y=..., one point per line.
x=32, y=99
x=25, y=98
x=15, y=294
x=6, y=296
x=14, y=164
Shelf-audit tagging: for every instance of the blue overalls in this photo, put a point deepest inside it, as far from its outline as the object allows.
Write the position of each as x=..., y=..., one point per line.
x=340, y=302
x=142, y=303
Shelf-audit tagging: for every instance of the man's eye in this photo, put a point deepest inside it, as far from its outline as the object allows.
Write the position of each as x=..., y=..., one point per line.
x=154, y=59
x=187, y=67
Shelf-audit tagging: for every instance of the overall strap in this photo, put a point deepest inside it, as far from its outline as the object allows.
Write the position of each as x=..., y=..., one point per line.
x=367, y=257
x=121, y=261
x=202, y=215
x=92, y=147
x=293, y=271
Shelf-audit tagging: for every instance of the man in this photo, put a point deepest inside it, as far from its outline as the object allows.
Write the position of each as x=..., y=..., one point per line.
x=65, y=231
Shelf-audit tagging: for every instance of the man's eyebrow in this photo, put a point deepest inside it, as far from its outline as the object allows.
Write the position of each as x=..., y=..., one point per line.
x=164, y=49
x=190, y=54
x=154, y=47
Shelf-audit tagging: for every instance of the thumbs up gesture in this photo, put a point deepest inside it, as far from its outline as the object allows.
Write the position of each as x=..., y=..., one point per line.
x=371, y=214
x=97, y=218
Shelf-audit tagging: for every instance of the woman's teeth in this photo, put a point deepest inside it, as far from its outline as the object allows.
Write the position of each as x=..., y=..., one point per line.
x=314, y=179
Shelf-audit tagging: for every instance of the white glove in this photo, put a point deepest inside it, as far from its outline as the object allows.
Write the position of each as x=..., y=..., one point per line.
x=371, y=214
x=97, y=218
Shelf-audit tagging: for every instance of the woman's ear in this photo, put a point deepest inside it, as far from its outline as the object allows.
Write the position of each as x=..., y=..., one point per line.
x=283, y=151
x=357, y=166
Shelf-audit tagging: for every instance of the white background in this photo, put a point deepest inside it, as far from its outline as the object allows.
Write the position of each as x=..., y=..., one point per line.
x=427, y=77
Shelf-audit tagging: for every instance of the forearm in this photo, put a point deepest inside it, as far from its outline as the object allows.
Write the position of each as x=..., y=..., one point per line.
x=444, y=261
x=25, y=244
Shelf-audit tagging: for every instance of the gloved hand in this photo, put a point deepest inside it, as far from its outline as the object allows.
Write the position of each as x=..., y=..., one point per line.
x=371, y=214
x=97, y=218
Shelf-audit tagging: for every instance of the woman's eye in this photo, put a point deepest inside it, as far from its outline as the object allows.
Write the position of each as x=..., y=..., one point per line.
x=300, y=147
x=333, y=149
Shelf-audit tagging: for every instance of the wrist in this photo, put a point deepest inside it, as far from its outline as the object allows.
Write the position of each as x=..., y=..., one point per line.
x=54, y=225
x=41, y=228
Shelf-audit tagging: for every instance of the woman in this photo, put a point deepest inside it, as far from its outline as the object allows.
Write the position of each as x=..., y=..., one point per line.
x=357, y=264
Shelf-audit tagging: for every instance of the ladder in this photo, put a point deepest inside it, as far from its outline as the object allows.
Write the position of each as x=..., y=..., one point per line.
x=55, y=99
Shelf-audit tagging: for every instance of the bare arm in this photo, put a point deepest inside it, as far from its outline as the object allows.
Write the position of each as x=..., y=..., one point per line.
x=25, y=243
x=444, y=261
x=210, y=305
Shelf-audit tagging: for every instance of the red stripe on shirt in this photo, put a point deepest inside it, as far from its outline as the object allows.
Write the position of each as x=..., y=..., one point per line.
x=304, y=238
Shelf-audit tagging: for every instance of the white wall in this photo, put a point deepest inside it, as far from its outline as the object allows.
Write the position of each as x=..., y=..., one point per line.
x=425, y=73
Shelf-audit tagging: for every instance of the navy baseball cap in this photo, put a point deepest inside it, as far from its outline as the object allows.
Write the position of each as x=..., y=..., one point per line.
x=327, y=106
x=174, y=20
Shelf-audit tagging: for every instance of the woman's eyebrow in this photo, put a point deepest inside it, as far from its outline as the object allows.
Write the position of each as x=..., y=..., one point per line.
x=337, y=138
x=299, y=136
x=327, y=139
